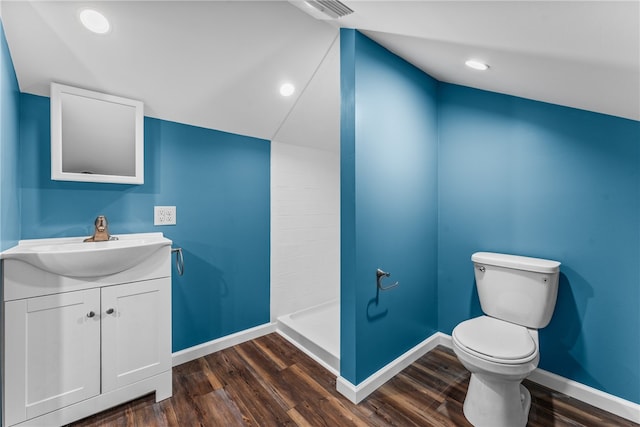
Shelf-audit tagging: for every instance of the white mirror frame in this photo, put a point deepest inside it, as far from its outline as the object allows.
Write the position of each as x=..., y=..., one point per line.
x=100, y=100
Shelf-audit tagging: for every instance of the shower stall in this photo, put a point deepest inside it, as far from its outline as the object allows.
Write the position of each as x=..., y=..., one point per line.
x=305, y=217
x=305, y=249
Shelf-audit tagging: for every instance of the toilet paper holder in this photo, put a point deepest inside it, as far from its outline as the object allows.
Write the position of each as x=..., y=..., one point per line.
x=381, y=275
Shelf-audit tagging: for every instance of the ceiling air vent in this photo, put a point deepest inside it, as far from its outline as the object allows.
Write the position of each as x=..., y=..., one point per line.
x=323, y=9
x=332, y=8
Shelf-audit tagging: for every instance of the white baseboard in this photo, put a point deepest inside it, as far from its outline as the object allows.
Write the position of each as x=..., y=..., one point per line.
x=357, y=393
x=594, y=397
x=192, y=353
x=605, y=401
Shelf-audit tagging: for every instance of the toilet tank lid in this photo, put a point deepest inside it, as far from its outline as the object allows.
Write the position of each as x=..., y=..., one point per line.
x=516, y=261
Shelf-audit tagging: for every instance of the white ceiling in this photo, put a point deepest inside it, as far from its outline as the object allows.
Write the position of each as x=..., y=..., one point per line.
x=219, y=64
x=582, y=54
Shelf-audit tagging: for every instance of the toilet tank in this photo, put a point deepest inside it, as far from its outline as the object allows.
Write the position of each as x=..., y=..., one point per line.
x=517, y=289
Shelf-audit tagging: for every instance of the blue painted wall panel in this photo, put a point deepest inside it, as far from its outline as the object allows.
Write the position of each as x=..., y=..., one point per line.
x=525, y=177
x=348, y=301
x=389, y=207
x=9, y=149
x=220, y=185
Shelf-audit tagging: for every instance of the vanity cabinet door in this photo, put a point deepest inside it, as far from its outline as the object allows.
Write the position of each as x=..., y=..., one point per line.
x=136, y=332
x=52, y=344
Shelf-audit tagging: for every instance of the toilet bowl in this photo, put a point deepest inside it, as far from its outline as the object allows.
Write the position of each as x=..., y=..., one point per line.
x=501, y=348
x=499, y=356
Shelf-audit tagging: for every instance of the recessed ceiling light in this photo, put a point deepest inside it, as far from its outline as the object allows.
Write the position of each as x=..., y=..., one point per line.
x=94, y=21
x=287, y=89
x=476, y=65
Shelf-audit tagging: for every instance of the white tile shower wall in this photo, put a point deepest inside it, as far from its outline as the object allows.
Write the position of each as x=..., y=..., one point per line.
x=305, y=227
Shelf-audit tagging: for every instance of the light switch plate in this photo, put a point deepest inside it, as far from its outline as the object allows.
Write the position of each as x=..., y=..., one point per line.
x=164, y=215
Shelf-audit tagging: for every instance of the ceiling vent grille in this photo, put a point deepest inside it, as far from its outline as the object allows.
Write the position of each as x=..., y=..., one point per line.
x=334, y=9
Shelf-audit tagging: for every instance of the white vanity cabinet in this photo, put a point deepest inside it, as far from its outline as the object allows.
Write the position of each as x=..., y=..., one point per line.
x=75, y=346
x=136, y=319
x=52, y=353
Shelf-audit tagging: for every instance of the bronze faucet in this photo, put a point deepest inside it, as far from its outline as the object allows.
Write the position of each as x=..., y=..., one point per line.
x=101, y=232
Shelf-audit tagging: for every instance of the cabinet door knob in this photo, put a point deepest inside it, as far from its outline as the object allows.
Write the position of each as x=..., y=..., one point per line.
x=110, y=311
x=90, y=314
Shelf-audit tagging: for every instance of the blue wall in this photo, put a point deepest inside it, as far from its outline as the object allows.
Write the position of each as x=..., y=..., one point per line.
x=220, y=185
x=388, y=206
x=525, y=177
x=9, y=148
x=511, y=175
x=514, y=176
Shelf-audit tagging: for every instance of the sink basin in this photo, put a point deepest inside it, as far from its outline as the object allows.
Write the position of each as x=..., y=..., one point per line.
x=74, y=258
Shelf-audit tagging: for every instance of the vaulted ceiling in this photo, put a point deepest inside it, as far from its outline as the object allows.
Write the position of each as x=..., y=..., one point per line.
x=219, y=64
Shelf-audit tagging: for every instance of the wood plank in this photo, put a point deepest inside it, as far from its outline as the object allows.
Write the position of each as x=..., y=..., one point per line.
x=253, y=395
x=269, y=382
x=218, y=408
x=274, y=353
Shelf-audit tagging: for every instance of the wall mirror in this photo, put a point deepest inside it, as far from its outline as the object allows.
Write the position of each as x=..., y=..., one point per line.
x=96, y=137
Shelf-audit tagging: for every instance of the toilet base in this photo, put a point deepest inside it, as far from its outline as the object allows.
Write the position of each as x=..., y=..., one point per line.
x=496, y=403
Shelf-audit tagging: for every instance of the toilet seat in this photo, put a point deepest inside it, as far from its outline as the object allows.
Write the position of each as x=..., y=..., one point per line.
x=495, y=340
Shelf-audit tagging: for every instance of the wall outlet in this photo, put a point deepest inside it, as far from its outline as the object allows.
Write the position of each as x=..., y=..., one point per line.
x=164, y=215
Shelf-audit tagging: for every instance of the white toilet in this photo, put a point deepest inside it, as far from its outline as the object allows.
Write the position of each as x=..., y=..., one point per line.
x=518, y=295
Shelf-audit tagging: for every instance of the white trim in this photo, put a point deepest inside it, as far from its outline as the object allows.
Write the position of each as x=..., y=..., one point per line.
x=594, y=397
x=192, y=353
x=599, y=399
x=306, y=351
x=357, y=393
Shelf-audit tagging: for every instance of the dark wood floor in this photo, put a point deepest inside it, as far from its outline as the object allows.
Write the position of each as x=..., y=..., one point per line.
x=269, y=382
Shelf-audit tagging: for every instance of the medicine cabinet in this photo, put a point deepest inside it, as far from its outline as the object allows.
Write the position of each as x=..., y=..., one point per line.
x=96, y=137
